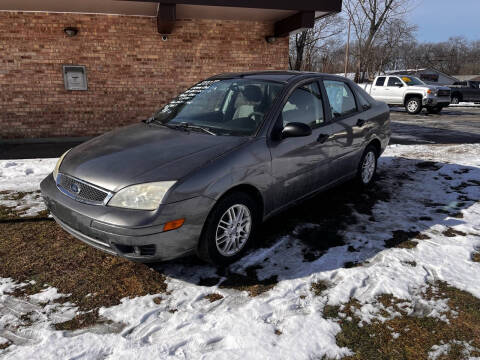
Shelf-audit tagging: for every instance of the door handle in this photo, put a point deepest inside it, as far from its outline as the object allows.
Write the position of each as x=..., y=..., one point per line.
x=322, y=138
x=360, y=122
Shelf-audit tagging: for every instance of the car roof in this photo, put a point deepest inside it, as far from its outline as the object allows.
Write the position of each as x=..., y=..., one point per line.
x=270, y=75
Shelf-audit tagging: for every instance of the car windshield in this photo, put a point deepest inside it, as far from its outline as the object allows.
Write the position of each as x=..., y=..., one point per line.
x=235, y=107
x=412, y=80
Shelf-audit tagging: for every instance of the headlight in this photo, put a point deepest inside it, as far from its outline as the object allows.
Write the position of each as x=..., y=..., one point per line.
x=142, y=196
x=57, y=166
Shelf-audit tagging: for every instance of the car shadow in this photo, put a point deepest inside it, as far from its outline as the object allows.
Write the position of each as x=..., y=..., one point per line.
x=408, y=134
x=346, y=226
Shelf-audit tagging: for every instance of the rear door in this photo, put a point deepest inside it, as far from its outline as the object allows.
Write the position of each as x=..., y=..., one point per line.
x=378, y=89
x=349, y=126
x=300, y=165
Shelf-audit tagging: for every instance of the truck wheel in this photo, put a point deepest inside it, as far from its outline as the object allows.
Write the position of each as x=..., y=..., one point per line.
x=228, y=230
x=455, y=99
x=434, y=110
x=413, y=105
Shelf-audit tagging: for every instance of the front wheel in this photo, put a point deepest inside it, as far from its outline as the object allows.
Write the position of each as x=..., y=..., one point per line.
x=413, y=105
x=228, y=229
x=367, y=166
x=455, y=99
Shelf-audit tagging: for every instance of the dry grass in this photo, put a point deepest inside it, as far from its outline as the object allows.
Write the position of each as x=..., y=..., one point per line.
x=51, y=256
x=213, y=297
x=319, y=287
x=417, y=334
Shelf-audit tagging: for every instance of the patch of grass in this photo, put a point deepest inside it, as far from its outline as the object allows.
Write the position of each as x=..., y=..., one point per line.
x=43, y=252
x=452, y=232
x=248, y=282
x=278, y=332
x=5, y=345
x=418, y=334
x=411, y=263
x=318, y=287
x=213, y=297
x=476, y=257
x=402, y=239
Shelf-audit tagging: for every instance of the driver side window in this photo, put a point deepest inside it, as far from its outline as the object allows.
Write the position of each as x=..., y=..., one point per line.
x=394, y=81
x=304, y=105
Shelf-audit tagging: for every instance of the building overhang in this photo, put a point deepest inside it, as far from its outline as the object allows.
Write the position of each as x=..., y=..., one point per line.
x=289, y=16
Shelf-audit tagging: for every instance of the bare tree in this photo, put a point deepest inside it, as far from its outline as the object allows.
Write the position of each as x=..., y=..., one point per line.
x=368, y=17
x=303, y=46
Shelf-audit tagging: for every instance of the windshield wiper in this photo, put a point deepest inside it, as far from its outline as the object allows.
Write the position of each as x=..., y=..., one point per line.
x=186, y=126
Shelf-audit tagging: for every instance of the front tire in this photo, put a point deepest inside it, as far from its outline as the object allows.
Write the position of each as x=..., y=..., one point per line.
x=367, y=166
x=456, y=99
x=413, y=105
x=228, y=229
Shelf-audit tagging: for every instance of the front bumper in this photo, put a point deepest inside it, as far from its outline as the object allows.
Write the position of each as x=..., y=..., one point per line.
x=134, y=234
x=436, y=101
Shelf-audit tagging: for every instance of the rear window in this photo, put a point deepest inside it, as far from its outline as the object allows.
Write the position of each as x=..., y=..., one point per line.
x=380, y=81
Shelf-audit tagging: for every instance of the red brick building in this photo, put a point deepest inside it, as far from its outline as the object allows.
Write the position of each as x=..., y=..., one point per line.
x=133, y=55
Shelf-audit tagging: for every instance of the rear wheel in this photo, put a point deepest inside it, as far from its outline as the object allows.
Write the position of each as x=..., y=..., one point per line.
x=413, y=105
x=228, y=229
x=367, y=166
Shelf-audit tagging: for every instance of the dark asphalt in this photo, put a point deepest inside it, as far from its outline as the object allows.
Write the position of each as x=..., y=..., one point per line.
x=457, y=125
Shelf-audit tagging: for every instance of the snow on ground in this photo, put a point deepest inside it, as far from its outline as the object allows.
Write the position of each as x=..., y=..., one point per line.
x=465, y=104
x=23, y=176
x=424, y=198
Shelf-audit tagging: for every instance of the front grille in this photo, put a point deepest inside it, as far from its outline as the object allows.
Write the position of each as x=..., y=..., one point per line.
x=81, y=191
x=444, y=93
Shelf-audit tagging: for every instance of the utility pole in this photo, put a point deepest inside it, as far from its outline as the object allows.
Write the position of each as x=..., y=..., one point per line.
x=347, y=51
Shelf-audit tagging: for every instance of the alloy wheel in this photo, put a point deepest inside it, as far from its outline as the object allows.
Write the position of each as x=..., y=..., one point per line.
x=368, y=167
x=412, y=105
x=233, y=230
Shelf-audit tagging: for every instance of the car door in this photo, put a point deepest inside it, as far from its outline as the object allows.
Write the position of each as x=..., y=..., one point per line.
x=394, y=90
x=348, y=129
x=300, y=164
x=378, y=89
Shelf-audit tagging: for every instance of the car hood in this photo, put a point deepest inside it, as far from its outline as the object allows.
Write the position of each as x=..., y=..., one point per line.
x=143, y=153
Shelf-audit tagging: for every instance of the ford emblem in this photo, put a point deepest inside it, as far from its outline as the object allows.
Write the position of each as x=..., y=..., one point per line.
x=75, y=188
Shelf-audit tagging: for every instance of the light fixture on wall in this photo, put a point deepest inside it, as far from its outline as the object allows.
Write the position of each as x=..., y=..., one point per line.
x=70, y=31
x=271, y=39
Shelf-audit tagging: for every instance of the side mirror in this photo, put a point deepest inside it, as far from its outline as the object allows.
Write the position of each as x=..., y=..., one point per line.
x=296, y=129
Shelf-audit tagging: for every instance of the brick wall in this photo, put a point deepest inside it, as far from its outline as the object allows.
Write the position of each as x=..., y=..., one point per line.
x=130, y=70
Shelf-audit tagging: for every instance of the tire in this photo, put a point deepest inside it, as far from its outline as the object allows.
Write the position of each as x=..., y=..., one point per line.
x=370, y=154
x=413, y=105
x=214, y=242
x=456, y=99
x=435, y=110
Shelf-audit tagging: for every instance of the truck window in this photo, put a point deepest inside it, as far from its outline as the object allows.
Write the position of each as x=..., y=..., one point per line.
x=394, y=81
x=380, y=81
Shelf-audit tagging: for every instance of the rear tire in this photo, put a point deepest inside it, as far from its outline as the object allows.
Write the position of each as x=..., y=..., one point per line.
x=413, y=105
x=228, y=230
x=367, y=166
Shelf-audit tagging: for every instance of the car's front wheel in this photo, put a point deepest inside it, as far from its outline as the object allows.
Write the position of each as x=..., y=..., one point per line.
x=228, y=229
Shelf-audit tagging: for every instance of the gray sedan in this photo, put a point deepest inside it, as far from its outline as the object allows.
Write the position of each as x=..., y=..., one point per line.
x=203, y=172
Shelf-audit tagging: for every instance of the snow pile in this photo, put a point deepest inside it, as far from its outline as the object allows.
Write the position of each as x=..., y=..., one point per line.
x=429, y=186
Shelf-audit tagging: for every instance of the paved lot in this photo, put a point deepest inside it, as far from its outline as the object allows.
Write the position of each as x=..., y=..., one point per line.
x=453, y=126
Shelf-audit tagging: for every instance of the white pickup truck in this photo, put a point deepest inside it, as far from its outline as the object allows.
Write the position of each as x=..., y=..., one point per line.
x=409, y=91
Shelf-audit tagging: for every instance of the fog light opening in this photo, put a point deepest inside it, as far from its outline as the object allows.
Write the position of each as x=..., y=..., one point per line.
x=172, y=225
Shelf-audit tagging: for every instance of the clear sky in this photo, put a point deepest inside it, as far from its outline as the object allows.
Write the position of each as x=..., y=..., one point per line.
x=438, y=20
